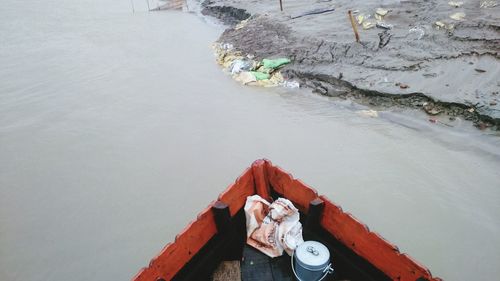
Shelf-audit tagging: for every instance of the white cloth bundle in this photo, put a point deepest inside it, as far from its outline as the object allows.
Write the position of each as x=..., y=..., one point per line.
x=272, y=228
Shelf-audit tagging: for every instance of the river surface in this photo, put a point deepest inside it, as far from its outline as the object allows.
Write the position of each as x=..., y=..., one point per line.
x=116, y=128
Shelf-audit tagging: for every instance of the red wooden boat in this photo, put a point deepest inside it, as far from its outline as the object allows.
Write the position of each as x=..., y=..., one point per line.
x=219, y=234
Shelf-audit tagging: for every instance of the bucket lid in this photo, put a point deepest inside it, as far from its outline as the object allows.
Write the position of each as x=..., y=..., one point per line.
x=312, y=255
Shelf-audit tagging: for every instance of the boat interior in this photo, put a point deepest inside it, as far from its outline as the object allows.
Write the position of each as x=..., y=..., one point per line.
x=213, y=246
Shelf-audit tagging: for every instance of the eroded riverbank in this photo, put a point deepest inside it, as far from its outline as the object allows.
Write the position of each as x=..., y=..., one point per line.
x=449, y=72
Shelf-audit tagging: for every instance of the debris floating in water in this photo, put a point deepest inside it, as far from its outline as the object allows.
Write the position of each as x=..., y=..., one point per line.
x=368, y=113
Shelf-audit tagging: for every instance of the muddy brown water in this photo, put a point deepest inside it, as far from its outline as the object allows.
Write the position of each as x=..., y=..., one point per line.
x=116, y=128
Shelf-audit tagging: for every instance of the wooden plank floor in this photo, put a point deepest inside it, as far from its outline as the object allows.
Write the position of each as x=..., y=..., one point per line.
x=256, y=266
x=228, y=271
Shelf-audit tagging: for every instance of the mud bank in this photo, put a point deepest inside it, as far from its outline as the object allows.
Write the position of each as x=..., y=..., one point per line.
x=449, y=69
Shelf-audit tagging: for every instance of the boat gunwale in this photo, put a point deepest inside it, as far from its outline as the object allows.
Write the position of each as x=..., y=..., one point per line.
x=264, y=179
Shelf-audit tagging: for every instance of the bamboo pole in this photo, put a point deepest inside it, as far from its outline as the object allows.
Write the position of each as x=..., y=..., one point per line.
x=132, y=3
x=354, y=27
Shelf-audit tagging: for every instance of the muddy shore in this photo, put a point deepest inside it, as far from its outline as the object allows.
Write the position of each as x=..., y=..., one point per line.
x=449, y=68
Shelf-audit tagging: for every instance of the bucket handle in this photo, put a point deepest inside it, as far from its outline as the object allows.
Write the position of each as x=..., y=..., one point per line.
x=327, y=270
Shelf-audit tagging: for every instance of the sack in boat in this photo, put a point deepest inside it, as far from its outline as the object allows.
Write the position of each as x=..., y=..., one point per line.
x=272, y=228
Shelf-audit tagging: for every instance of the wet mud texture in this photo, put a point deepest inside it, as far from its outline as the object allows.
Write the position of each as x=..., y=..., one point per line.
x=415, y=64
x=226, y=14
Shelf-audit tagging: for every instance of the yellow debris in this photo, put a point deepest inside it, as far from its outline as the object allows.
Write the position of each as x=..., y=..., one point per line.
x=368, y=24
x=241, y=24
x=244, y=77
x=275, y=80
x=381, y=12
x=227, y=56
x=360, y=19
x=456, y=4
x=440, y=24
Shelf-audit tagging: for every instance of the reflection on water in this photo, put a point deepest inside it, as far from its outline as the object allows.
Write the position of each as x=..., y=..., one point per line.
x=117, y=128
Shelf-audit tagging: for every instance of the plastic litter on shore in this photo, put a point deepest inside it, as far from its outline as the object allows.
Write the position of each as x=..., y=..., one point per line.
x=239, y=65
x=444, y=25
x=458, y=16
x=384, y=25
x=380, y=13
x=367, y=24
x=226, y=46
x=260, y=75
x=361, y=18
x=456, y=4
x=241, y=24
x=291, y=84
x=248, y=71
x=270, y=65
x=245, y=78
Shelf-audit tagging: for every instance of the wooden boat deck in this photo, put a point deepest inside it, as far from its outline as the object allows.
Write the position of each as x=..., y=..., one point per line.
x=219, y=233
x=227, y=271
x=254, y=266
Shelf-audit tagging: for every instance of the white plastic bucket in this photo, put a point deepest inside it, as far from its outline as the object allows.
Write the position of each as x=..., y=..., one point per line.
x=311, y=261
